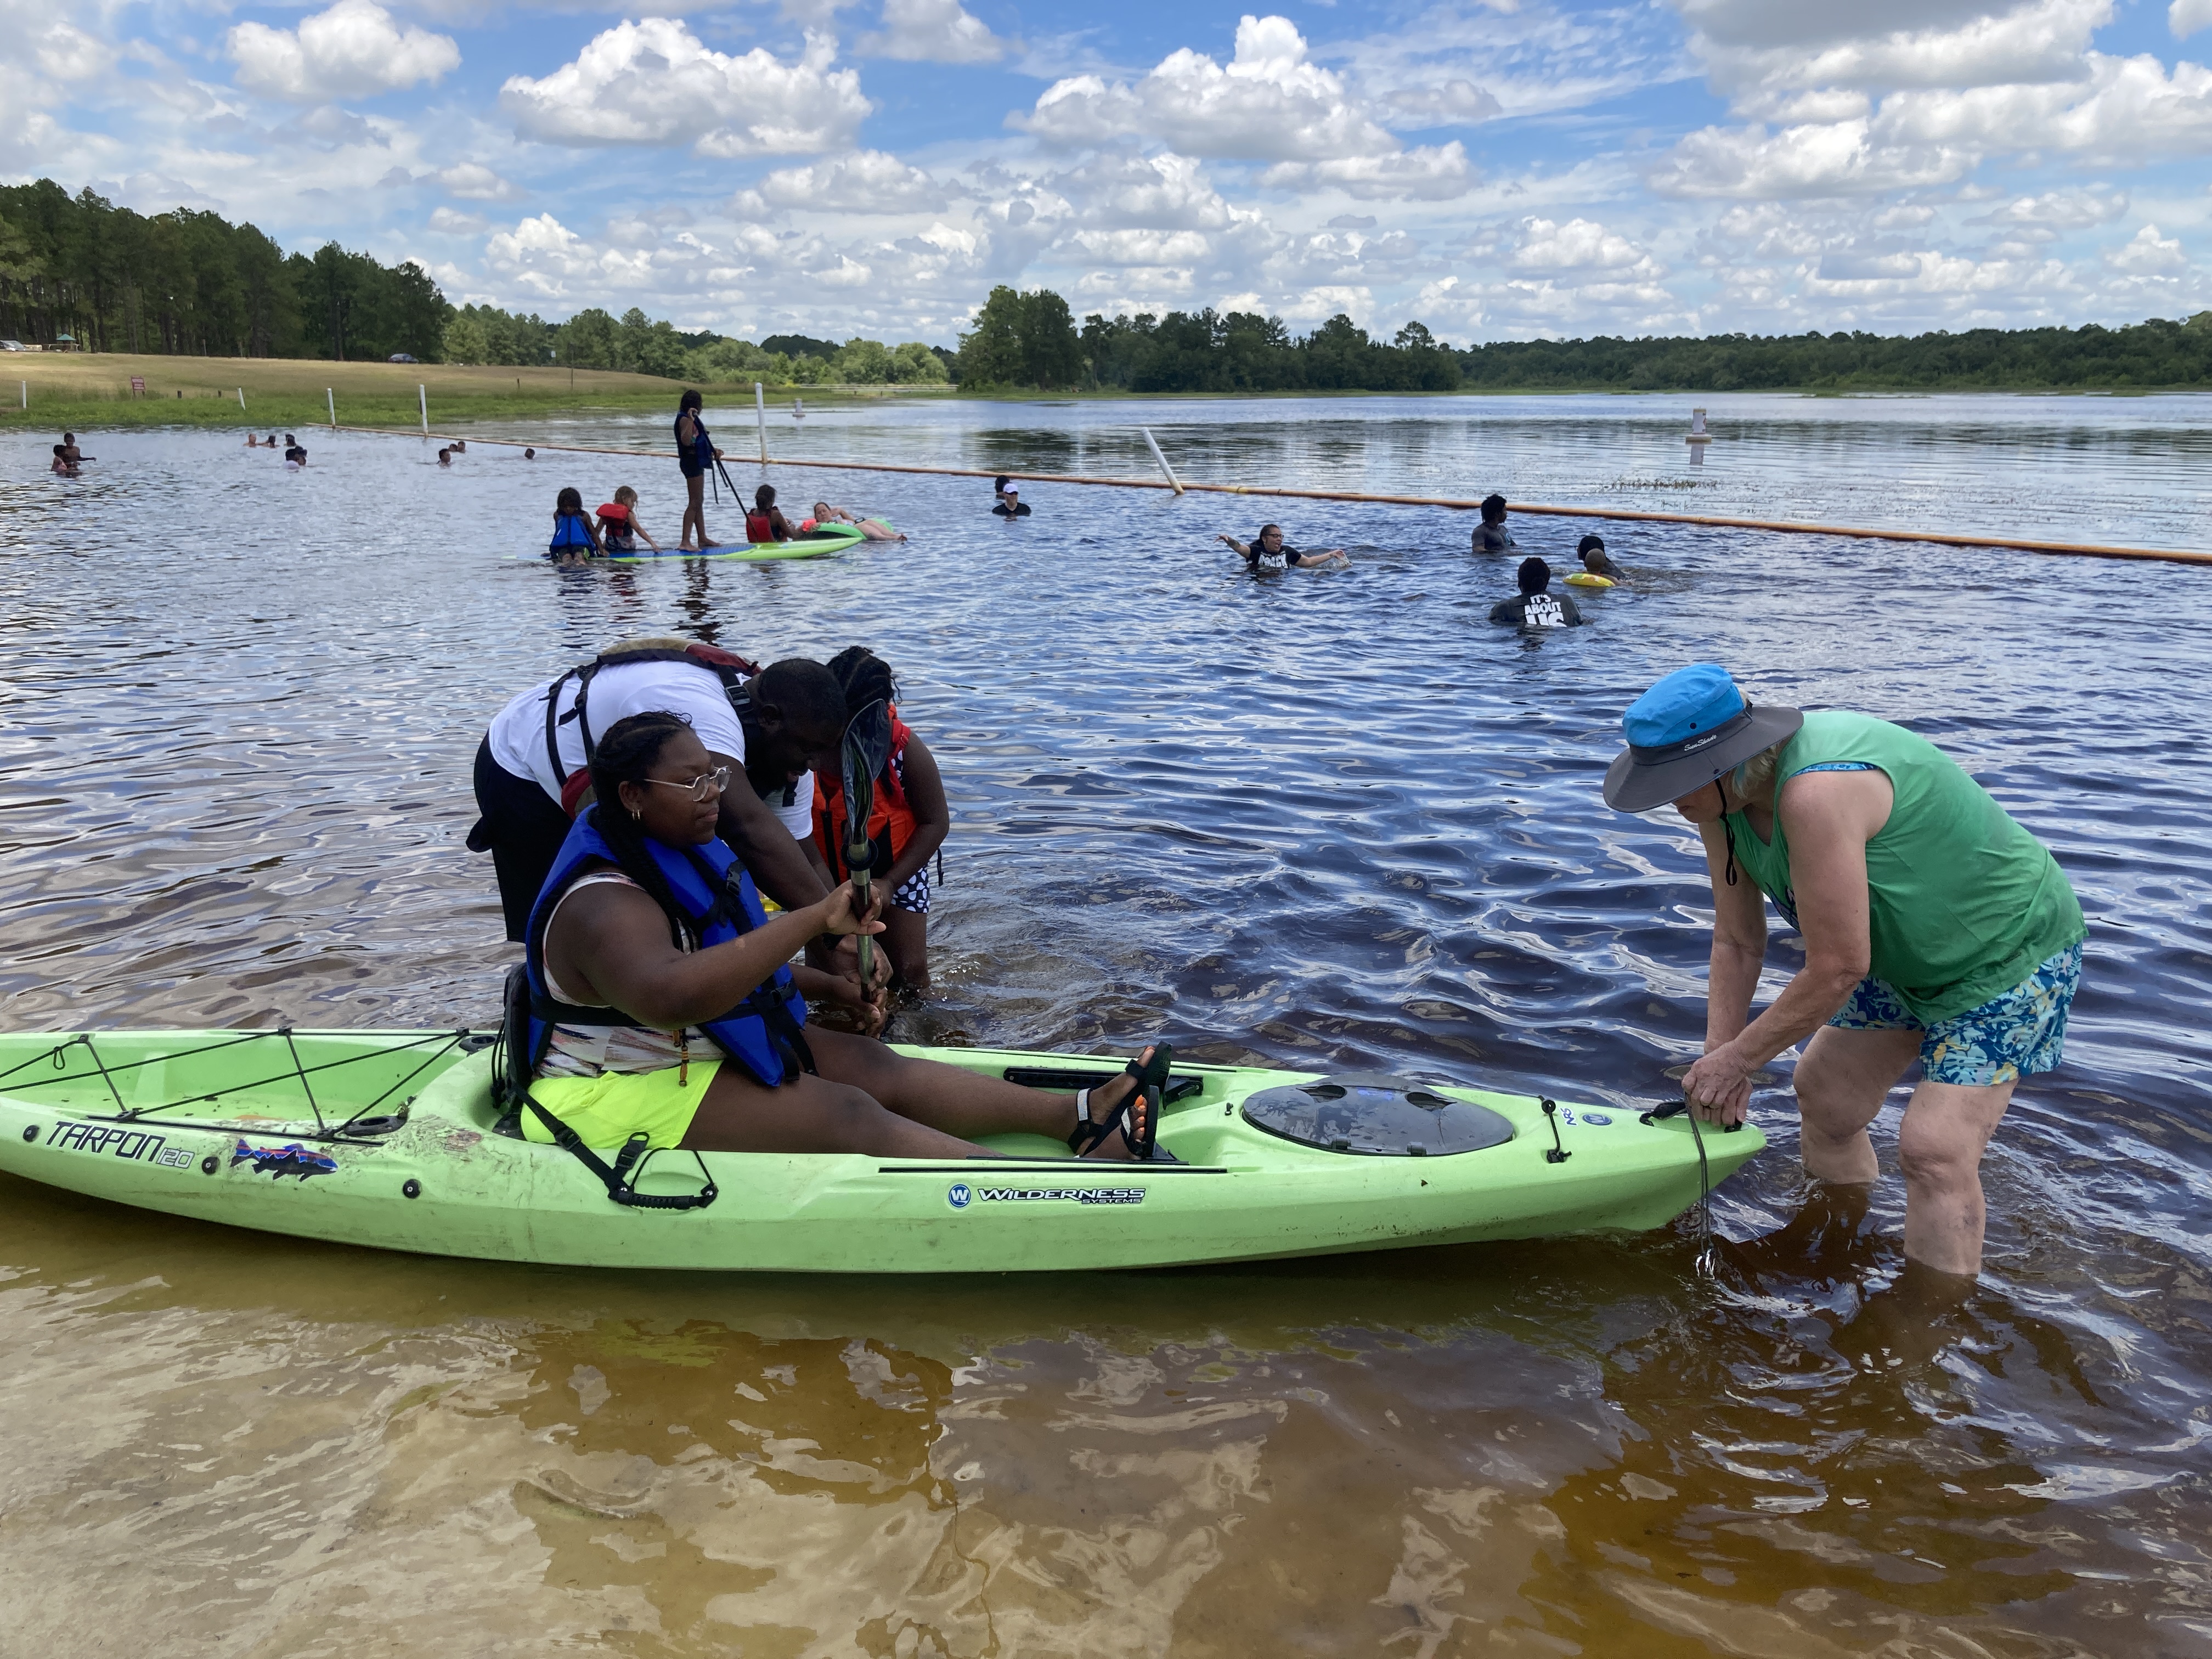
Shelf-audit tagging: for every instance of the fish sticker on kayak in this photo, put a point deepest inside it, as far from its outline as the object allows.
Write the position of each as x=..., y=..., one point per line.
x=290, y=1160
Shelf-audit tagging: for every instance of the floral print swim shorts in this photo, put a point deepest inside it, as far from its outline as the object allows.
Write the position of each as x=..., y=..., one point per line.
x=2012, y=1035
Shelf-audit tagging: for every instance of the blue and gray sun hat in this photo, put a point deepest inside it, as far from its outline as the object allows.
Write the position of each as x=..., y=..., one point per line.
x=1684, y=733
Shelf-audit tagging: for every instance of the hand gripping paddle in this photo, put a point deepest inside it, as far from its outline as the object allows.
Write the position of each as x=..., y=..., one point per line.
x=866, y=751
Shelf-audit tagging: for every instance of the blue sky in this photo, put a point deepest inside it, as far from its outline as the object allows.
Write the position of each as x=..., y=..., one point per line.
x=1495, y=171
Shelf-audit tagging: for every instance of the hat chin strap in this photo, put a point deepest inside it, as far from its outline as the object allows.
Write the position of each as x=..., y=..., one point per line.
x=1726, y=830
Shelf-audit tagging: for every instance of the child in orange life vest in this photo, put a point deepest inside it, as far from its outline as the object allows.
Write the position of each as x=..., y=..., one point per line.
x=908, y=825
x=618, y=525
x=766, y=522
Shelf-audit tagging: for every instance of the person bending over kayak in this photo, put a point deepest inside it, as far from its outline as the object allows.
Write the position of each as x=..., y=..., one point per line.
x=766, y=522
x=1936, y=929
x=1491, y=535
x=573, y=535
x=1537, y=608
x=908, y=823
x=663, y=1007
x=618, y=524
x=874, y=529
x=695, y=453
x=1268, y=545
x=1591, y=551
x=773, y=726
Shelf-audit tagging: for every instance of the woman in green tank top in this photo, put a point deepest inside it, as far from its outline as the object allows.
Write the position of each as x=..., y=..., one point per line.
x=1936, y=930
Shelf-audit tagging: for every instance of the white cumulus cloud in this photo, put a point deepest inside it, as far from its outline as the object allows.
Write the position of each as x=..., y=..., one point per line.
x=2149, y=253
x=1269, y=104
x=471, y=181
x=1428, y=173
x=2185, y=17
x=866, y=181
x=654, y=82
x=354, y=50
x=934, y=31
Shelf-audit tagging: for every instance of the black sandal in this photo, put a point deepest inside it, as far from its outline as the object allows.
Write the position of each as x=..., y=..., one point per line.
x=1139, y=1130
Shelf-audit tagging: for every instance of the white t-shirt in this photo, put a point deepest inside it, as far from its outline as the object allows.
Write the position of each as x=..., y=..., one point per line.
x=518, y=731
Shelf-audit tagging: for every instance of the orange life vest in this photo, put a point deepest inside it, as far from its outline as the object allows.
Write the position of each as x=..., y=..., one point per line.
x=891, y=822
x=759, y=528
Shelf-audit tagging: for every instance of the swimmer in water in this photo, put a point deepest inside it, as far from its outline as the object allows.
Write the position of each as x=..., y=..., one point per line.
x=1010, y=504
x=1536, y=609
x=445, y=458
x=825, y=516
x=1268, y=545
x=529, y=454
x=1491, y=536
x=1591, y=550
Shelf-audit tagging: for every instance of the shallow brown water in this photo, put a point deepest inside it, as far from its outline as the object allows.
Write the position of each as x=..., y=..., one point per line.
x=1327, y=818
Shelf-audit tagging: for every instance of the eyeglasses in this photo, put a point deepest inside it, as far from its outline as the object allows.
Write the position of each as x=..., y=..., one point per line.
x=700, y=787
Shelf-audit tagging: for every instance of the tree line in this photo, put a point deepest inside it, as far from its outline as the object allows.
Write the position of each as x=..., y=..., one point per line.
x=78, y=269
x=1032, y=341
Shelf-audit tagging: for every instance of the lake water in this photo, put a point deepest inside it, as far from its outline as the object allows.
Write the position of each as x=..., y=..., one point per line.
x=1329, y=818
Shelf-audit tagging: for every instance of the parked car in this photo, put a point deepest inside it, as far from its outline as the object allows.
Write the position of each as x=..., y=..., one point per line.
x=12, y=345
x=402, y=357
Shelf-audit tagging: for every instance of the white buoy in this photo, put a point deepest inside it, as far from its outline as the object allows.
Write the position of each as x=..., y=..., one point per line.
x=760, y=410
x=1174, y=482
x=1698, y=437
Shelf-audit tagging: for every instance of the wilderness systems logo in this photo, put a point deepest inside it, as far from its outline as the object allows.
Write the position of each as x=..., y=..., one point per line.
x=1061, y=1194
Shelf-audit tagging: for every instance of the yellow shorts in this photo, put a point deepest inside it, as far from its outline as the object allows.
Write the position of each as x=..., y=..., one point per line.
x=608, y=1109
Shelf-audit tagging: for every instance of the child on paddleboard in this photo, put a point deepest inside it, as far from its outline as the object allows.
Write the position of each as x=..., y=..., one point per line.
x=619, y=528
x=573, y=538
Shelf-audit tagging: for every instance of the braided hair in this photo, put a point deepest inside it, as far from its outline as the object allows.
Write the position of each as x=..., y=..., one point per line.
x=866, y=677
x=626, y=754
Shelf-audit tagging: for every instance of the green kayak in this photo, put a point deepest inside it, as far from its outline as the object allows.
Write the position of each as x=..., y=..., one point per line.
x=389, y=1139
x=804, y=547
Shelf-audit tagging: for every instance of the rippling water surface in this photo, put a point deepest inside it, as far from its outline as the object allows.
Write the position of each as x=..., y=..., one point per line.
x=1319, y=818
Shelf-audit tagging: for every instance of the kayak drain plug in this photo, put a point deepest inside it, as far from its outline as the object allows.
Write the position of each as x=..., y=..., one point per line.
x=30, y=1131
x=1558, y=1153
x=209, y=1164
x=412, y=1189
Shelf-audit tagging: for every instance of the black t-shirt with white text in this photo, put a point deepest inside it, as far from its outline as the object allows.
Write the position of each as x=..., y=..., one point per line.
x=1537, y=611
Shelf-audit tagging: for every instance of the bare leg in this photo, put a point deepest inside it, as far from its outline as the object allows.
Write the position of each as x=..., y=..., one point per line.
x=954, y=1100
x=810, y=1115
x=1946, y=1129
x=1841, y=1083
x=695, y=512
x=906, y=941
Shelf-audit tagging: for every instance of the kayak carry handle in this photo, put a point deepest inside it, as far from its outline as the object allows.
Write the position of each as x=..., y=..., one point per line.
x=1666, y=1108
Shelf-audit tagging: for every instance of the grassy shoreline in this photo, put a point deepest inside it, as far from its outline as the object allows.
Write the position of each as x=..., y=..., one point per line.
x=91, y=391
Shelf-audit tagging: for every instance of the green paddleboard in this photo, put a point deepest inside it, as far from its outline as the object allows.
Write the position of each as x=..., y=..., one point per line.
x=804, y=547
x=388, y=1139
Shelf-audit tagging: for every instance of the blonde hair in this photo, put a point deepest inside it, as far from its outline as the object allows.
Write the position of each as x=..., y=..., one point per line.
x=625, y=496
x=1754, y=778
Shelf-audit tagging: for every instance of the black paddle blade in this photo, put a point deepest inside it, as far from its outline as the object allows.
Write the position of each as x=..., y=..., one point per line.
x=866, y=750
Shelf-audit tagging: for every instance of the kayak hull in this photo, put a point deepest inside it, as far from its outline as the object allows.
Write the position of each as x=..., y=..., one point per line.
x=444, y=1182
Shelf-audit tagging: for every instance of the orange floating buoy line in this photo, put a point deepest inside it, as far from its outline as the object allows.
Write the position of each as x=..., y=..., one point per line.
x=1185, y=486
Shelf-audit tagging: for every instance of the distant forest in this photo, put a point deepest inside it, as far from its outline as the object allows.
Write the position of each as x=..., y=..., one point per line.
x=78, y=270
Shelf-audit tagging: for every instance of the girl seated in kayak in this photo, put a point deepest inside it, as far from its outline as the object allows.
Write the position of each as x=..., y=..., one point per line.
x=573, y=535
x=662, y=1005
x=618, y=525
x=907, y=824
x=874, y=528
x=766, y=522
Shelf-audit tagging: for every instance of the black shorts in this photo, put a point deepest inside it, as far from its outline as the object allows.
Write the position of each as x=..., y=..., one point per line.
x=522, y=829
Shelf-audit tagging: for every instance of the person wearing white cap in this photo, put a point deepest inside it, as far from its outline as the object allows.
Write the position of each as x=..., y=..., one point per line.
x=1936, y=929
x=1009, y=504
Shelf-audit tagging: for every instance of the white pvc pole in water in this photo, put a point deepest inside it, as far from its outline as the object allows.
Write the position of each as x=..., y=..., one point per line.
x=1162, y=459
x=423, y=392
x=26, y=394
x=332, y=398
x=241, y=396
x=760, y=408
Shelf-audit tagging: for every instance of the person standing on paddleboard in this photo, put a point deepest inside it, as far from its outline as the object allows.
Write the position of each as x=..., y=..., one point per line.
x=1936, y=929
x=695, y=453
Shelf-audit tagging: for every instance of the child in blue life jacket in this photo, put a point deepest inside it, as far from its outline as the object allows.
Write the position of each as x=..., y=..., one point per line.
x=572, y=536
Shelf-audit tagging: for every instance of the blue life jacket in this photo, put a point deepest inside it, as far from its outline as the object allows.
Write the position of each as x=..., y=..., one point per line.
x=699, y=455
x=571, y=530
x=762, y=1033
